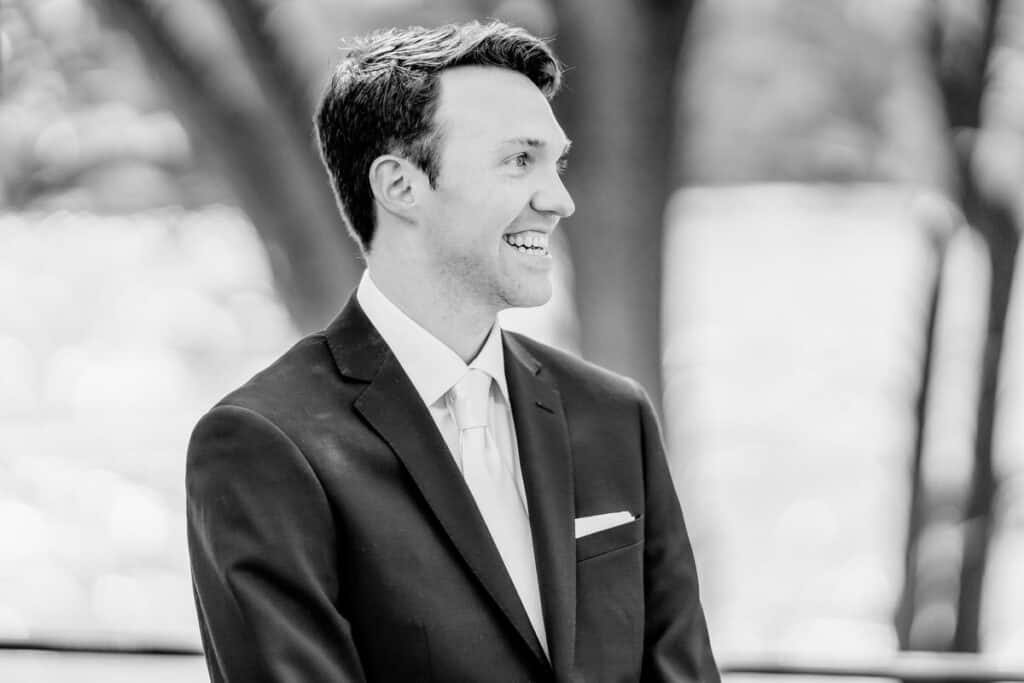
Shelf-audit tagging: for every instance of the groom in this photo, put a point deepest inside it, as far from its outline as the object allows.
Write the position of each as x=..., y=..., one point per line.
x=414, y=494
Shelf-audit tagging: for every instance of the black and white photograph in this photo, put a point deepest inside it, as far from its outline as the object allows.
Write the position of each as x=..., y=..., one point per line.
x=511, y=341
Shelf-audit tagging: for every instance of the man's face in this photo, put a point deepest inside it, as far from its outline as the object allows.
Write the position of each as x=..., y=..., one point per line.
x=499, y=194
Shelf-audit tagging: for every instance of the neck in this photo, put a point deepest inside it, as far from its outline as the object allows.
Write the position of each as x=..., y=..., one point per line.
x=460, y=325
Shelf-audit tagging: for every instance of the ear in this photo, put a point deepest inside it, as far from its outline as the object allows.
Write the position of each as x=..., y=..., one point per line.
x=393, y=182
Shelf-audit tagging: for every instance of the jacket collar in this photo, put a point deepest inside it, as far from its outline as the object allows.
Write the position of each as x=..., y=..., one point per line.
x=432, y=365
x=393, y=408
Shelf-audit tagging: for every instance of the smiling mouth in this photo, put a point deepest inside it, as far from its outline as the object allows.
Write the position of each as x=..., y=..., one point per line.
x=528, y=242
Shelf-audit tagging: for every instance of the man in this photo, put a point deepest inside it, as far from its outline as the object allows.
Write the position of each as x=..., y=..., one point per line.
x=414, y=494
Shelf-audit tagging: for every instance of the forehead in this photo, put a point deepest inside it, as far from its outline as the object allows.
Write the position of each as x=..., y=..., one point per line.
x=485, y=104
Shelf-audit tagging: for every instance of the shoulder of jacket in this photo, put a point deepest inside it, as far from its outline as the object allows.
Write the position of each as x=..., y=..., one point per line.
x=565, y=365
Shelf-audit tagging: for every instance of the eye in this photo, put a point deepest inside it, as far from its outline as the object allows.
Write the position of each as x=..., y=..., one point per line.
x=521, y=160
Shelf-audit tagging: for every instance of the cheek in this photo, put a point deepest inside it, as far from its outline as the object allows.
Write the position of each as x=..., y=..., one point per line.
x=481, y=211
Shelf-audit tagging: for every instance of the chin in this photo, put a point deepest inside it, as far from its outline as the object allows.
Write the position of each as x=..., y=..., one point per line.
x=529, y=297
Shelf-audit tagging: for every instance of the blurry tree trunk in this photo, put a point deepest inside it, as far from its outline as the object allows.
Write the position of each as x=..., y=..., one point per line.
x=990, y=212
x=922, y=505
x=618, y=105
x=250, y=121
x=995, y=219
x=277, y=65
x=962, y=70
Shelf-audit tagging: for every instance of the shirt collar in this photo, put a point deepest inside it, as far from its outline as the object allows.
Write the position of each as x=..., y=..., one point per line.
x=432, y=366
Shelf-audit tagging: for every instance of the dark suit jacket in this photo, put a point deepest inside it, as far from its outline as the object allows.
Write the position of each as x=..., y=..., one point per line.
x=332, y=537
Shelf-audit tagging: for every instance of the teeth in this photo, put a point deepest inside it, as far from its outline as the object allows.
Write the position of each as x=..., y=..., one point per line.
x=528, y=240
x=532, y=242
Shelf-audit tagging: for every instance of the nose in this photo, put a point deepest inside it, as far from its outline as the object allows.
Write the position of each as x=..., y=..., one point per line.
x=552, y=197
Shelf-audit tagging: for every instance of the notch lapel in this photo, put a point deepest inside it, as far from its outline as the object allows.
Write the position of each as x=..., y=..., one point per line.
x=542, y=436
x=392, y=407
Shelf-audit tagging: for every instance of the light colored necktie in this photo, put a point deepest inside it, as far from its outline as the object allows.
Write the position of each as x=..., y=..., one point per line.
x=493, y=484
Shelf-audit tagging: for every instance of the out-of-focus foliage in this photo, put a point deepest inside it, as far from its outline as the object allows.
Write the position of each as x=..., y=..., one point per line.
x=794, y=329
x=834, y=90
x=81, y=124
x=116, y=332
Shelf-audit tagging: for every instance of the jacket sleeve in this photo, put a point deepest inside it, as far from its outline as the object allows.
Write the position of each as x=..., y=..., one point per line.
x=677, y=648
x=262, y=546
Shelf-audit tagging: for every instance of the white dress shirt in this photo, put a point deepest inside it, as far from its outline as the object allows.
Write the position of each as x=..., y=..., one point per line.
x=434, y=368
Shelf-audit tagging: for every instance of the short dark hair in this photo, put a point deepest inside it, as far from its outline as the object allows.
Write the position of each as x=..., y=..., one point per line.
x=382, y=97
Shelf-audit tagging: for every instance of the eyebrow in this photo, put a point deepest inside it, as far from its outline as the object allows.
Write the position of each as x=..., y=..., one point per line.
x=535, y=142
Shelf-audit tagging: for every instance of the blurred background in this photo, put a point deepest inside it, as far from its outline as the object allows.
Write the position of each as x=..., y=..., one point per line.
x=797, y=224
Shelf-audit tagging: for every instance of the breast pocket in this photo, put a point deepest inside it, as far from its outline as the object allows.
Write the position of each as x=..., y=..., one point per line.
x=609, y=540
x=610, y=603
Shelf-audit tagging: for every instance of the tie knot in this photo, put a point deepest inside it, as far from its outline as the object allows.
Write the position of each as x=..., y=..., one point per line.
x=470, y=399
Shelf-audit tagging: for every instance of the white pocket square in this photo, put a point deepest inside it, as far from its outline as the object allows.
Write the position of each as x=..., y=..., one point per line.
x=594, y=523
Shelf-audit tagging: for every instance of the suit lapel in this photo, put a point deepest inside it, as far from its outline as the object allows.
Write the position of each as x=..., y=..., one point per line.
x=393, y=408
x=543, y=440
